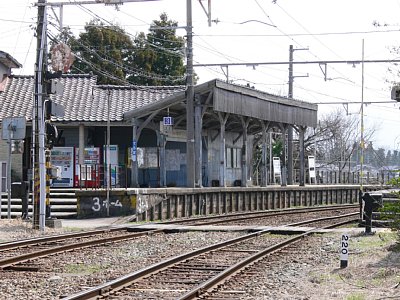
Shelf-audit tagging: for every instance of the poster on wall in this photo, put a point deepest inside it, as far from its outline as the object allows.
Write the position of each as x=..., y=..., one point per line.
x=311, y=167
x=62, y=158
x=113, y=164
x=276, y=163
x=147, y=157
x=277, y=166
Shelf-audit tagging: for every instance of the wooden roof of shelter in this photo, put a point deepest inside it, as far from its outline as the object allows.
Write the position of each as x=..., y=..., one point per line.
x=218, y=97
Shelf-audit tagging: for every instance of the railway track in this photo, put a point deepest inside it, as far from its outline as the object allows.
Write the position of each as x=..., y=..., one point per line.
x=15, y=254
x=195, y=274
x=20, y=255
x=259, y=215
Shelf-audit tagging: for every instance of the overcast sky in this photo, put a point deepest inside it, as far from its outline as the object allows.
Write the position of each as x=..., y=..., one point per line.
x=260, y=31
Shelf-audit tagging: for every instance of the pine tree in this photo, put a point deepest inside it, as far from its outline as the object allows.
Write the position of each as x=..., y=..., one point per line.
x=159, y=55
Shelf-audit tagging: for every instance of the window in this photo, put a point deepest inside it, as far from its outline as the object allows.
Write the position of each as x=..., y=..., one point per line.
x=233, y=157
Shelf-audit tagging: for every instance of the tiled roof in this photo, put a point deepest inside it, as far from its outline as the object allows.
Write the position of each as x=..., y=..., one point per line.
x=83, y=100
x=9, y=61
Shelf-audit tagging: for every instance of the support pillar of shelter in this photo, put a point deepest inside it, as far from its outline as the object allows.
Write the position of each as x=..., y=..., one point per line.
x=161, y=140
x=198, y=125
x=302, y=129
x=290, y=155
x=134, y=162
x=81, y=158
x=284, y=155
x=222, y=119
x=264, y=170
x=245, y=156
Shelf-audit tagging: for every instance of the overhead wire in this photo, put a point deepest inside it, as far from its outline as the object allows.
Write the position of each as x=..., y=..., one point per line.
x=20, y=27
x=90, y=12
x=211, y=49
x=313, y=36
x=250, y=35
x=27, y=53
x=257, y=4
x=124, y=82
x=100, y=18
x=308, y=33
x=17, y=21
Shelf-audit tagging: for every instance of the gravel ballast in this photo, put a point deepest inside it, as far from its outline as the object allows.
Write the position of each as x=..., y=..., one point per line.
x=310, y=270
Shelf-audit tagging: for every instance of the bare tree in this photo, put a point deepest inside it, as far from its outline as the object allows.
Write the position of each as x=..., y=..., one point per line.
x=335, y=139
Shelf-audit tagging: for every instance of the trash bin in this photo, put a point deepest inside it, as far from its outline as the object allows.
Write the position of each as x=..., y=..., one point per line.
x=21, y=190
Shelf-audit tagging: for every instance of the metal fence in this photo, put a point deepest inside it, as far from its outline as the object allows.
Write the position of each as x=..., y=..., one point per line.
x=335, y=177
x=95, y=176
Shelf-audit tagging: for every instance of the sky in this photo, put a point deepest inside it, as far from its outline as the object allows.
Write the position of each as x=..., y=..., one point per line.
x=260, y=31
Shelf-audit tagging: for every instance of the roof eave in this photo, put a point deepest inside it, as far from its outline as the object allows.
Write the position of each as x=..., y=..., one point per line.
x=9, y=61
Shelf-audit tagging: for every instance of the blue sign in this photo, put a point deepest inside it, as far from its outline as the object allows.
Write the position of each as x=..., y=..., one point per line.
x=168, y=121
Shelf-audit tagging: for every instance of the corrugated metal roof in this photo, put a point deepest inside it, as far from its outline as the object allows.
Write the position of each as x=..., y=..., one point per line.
x=83, y=100
x=240, y=101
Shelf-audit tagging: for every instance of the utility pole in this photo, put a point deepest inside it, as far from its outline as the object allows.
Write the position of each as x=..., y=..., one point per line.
x=362, y=123
x=290, y=129
x=190, y=162
x=38, y=125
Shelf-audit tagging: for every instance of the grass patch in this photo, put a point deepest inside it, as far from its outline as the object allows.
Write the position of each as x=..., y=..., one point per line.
x=323, y=278
x=395, y=247
x=356, y=297
x=83, y=269
x=378, y=240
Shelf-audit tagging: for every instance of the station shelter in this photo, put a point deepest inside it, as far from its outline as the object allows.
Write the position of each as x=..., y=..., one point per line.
x=146, y=126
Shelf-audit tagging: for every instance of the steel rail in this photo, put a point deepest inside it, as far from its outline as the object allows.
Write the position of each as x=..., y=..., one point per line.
x=128, y=279
x=53, y=238
x=124, y=281
x=212, y=283
x=325, y=218
x=243, y=218
x=257, y=214
x=34, y=241
x=10, y=262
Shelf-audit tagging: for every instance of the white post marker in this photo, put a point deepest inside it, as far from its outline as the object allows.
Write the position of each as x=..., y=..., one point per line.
x=344, y=250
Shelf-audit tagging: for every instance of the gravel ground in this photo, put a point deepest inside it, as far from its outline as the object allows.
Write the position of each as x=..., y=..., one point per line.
x=310, y=271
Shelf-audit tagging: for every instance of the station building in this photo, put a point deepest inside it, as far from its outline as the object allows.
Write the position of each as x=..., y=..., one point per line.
x=147, y=129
